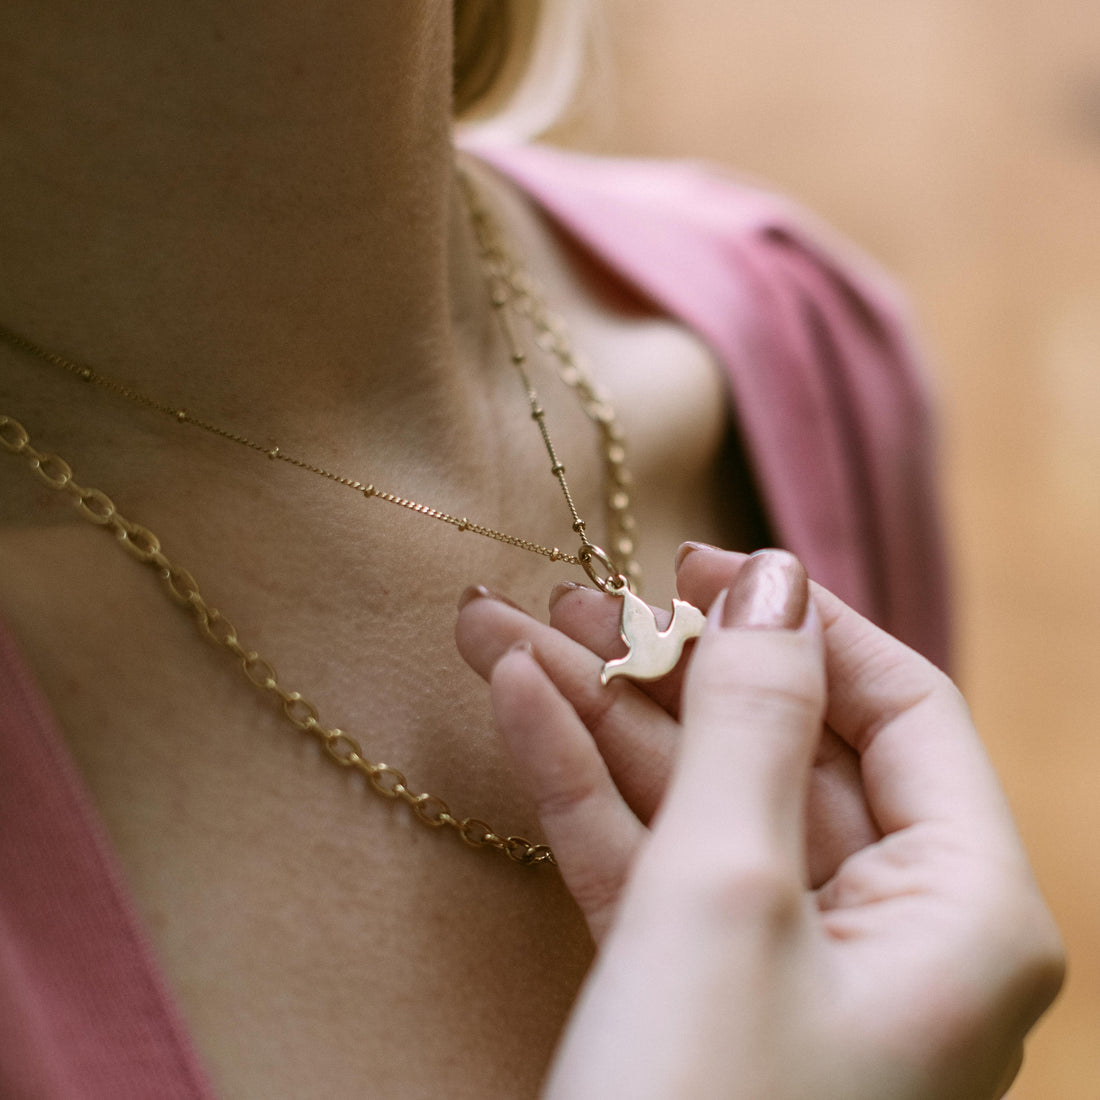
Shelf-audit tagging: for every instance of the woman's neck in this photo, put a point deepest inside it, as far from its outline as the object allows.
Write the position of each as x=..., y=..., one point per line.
x=253, y=201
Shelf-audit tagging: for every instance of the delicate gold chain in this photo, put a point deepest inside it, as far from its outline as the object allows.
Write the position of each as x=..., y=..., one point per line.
x=342, y=748
x=183, y=416
x=509, y=285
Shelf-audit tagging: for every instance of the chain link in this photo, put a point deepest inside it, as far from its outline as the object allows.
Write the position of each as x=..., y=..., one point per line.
x=299, y=712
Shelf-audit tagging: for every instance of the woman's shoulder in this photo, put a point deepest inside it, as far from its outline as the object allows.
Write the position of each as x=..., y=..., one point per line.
x=738, y=262
x=831, y=392
x=683, y=204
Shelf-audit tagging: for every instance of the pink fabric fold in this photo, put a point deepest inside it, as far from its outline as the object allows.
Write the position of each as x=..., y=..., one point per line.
x=84, y=1013
x=830, y=397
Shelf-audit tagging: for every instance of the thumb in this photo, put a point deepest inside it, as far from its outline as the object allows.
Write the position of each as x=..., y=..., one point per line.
x=753, y=703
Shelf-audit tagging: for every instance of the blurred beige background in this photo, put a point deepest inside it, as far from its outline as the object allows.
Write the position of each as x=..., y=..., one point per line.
x=958, y=141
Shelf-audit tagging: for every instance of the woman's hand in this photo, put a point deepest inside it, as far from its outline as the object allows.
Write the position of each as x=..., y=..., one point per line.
x=913, y=971
x=636, y=731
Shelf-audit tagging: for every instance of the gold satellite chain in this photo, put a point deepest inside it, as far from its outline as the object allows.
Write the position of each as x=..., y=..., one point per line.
x=510, y=286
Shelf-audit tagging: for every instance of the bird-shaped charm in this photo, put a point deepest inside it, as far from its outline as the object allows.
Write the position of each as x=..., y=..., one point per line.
x=652, y=653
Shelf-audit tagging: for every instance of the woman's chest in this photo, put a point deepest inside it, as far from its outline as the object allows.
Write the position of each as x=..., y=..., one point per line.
x=320, y=940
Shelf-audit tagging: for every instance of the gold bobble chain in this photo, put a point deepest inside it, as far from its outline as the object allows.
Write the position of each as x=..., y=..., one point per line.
x=512, y=287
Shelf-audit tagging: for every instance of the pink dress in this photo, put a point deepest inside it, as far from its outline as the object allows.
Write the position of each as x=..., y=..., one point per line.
x=834, y=418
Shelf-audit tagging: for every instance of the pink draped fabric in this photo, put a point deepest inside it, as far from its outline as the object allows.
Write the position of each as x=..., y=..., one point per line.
x=84, y=1013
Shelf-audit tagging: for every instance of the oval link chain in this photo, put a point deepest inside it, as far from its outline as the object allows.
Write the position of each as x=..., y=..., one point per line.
x=181, y=587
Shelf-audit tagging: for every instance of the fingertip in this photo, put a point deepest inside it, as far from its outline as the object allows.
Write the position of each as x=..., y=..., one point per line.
x=811, y=622
x=763, y=643
x=561, y=769
x=769, y=592
x=519, y=688
x=562, y=588
x=592, y=619
x=470, y=593
x=687, y=548
x=480, y=592
x=519, y=655
x=702, y=571
x=716, y=612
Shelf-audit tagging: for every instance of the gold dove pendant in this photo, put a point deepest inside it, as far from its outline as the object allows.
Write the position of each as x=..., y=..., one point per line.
x=652, y=653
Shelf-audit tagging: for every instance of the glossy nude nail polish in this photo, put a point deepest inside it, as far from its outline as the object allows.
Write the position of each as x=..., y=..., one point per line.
x=771, y=592
x=687, y=548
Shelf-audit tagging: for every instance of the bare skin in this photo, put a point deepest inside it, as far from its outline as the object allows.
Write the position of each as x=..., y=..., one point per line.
x=251, y=211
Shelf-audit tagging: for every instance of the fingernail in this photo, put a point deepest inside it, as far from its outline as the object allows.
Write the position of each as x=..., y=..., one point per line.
x=480, y=592
x=770, y=592
x=522, y=647
x=689, y=548
x=562, y=588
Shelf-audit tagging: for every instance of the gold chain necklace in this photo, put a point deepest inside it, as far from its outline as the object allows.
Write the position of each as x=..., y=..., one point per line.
x=345, y=750
x=651, y=653
x=509, y=286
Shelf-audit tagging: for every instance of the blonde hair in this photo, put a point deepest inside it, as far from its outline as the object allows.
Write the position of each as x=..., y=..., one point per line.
x=516, y=65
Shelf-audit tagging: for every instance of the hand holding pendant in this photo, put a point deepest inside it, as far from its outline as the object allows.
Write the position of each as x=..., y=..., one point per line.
x=915, y=968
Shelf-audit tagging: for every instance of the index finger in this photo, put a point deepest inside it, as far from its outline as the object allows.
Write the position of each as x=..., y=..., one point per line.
x=920, y=757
